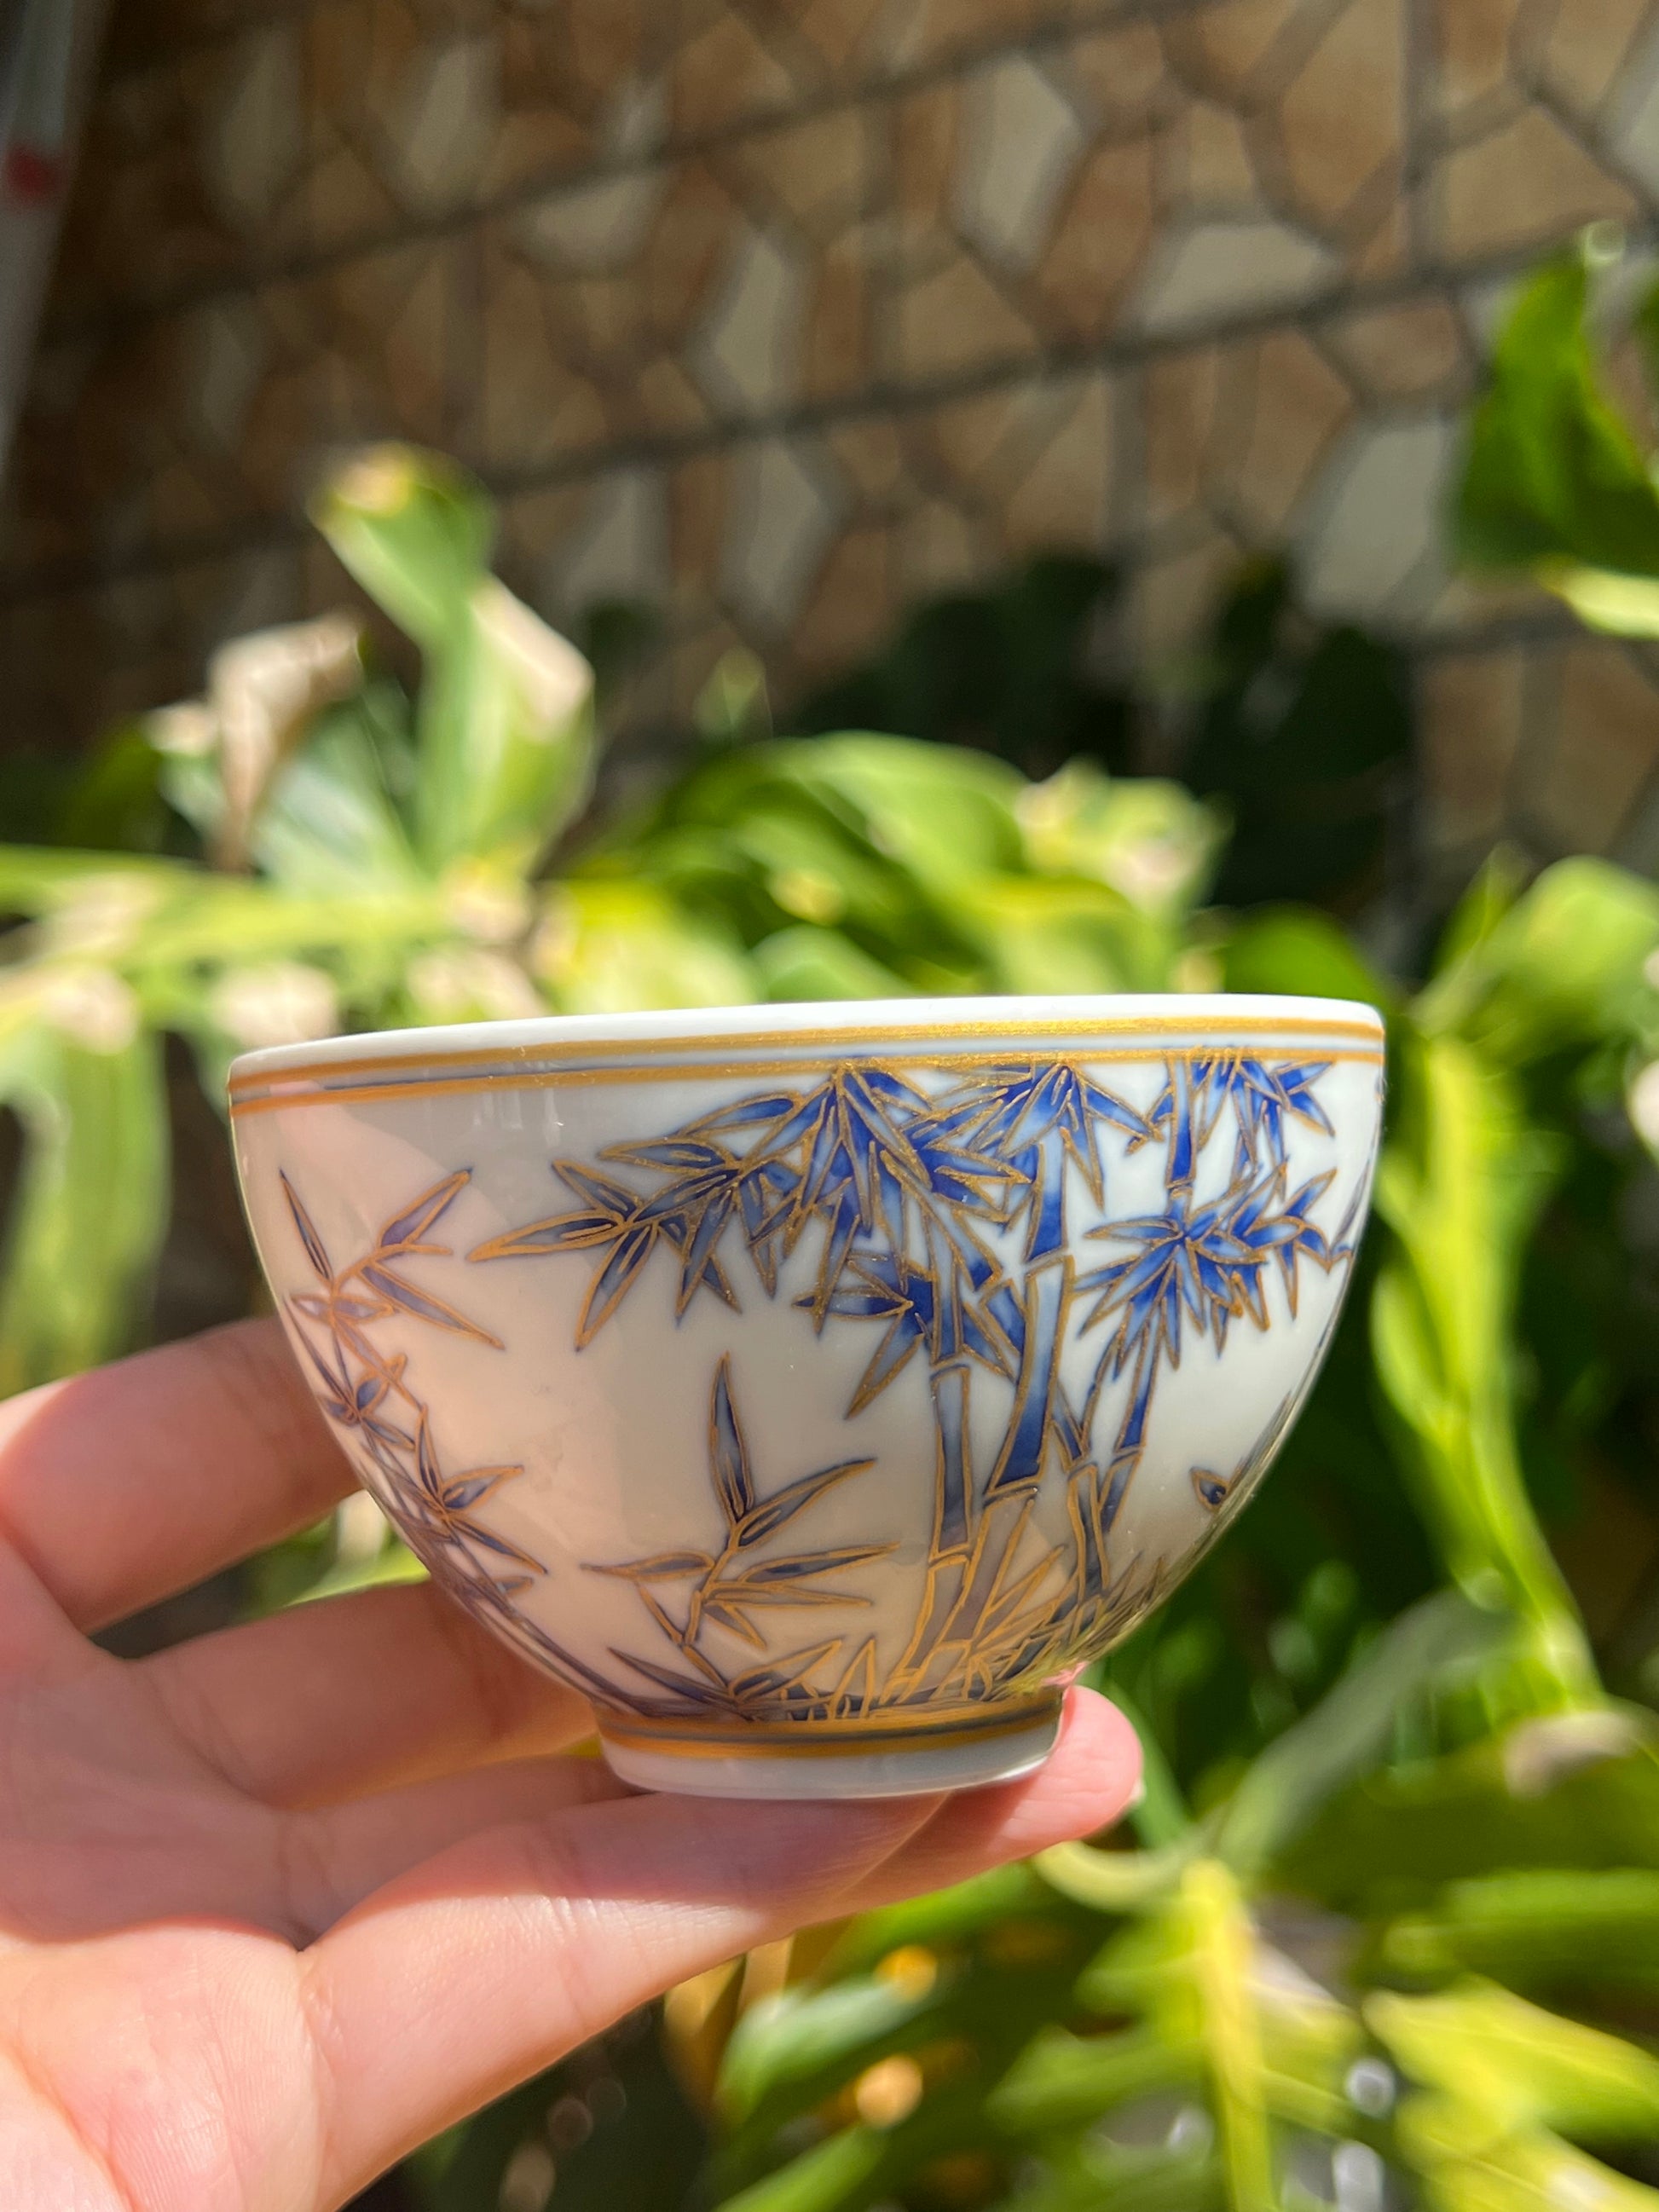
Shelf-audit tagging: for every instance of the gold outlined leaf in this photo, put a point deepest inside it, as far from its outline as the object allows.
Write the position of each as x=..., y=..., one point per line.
x=855, y=1692
x=537, y=1240
x=405, y=1231
x=422, y=1305
x=735, y=1622
x=316, y=1251
x=779, y=1574
x=610, y=1286
x=766, y=1518
x=695, y=1692
x=462, y=1492
x=660, y=1567
x=728, y=1455
x=792, y=1671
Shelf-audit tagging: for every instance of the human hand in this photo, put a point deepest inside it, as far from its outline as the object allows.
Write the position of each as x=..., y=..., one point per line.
x=280, y=1904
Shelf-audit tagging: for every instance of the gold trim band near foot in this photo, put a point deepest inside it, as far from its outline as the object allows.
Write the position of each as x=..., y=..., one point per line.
x=826, y=1739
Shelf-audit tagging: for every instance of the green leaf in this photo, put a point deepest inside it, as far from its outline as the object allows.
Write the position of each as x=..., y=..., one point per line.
x=229, y=920
x=795, y=2054
x=1065, y=2080
x=732, y=708
x=1160, y=1817
x=1350, y=1733
x=1151, y=842
x=115, y=802
x=1295, y=949
x=768, y=836
x=1621, y=606
x=1520, y=2066
x=867, y=2166
x=330, y=823
x=1562, y=968
x=807, y=964
x=1090, y=2177
x=1468, y=2166
x=1497, y=883
x=1193, y=1971
x=948, y=1917
x=1117, y=1881
x=1552, y=474
x=844, y=2174
x=415, y=531
x=797, y=2047
x=41, y=879
x=1543, y=1929
x=941, y=812
x=1221, y=1957
x=1461, y=1182
x=506, y=735
x=392, y=1565
x=1566, y=1790
x=265, y=692
x=91, y=1207
x=609, y=946
x=1067, y=934
x=506, y=713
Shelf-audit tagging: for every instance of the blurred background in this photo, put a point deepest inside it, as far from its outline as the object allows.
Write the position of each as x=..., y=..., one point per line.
x=1049, y=494
x=778, y=318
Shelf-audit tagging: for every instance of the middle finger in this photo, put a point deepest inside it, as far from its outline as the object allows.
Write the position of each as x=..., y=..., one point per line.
x=353, y=1695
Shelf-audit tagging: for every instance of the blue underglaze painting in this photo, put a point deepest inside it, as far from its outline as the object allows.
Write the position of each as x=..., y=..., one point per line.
x=970, y=1228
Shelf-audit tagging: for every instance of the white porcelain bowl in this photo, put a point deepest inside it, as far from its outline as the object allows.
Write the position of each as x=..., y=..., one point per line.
x=817, y=1388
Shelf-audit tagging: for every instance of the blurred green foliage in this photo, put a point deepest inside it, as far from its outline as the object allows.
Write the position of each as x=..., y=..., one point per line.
x=1301, y=729
x=1556, y=482
x=1023, y=668
x=1386, y=1930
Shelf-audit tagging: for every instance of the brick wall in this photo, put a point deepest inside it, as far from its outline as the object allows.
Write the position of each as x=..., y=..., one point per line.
x=780, y=315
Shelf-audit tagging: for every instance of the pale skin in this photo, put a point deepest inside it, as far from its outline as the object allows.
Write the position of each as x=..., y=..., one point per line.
x=279, y=1904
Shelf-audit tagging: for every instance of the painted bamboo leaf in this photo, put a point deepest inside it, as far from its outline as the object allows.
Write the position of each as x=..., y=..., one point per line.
x=422, y=1305
x=773, y=1513
x=316, y=1251
x=405, y=1232
x=728, y=1456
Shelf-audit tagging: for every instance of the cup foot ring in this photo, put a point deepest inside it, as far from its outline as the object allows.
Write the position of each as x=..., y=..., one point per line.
x=803, y=1759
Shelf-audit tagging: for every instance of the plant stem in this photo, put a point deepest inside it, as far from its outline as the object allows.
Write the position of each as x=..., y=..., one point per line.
x=1222, y=1943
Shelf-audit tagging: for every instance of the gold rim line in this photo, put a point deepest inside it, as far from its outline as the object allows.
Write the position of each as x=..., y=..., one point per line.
x=856, y=1039
x=547, y=1079
x=822, y=1739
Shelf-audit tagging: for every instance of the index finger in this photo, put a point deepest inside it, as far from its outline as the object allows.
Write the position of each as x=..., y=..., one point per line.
x=472, y=1972
x=122, y=1486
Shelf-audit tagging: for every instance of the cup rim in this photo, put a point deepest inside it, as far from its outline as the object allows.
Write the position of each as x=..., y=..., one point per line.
x=1113, y=1012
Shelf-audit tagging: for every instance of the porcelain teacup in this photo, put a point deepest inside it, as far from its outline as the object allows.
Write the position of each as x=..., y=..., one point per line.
x=817, y=1388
